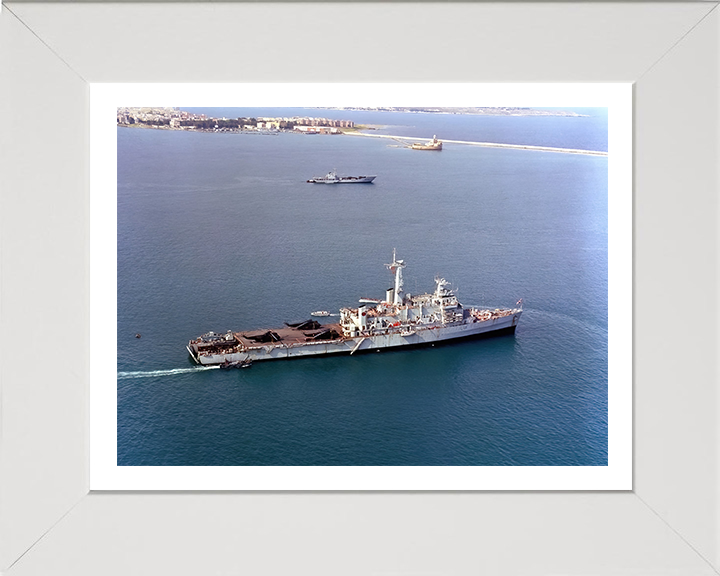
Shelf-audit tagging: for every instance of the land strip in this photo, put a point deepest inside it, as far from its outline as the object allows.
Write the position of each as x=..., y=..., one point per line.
x=471, y=110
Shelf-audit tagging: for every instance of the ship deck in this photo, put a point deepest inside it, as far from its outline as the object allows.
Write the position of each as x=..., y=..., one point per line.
x=287, y=335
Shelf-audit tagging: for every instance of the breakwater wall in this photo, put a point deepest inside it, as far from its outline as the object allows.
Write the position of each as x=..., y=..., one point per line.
x=409, y=139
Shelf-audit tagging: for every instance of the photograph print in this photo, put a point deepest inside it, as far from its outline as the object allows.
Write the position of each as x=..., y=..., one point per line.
x=362, y=286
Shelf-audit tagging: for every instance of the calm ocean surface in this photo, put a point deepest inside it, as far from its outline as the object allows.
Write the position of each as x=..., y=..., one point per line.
x=221, y=231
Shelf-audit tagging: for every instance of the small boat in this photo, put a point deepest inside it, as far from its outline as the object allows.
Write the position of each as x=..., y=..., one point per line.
x=247, y=363
x=434, y=144
x=320, y=313
x=333, y=178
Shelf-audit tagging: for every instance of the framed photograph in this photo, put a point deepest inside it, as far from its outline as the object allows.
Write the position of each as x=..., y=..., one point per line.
x=186, y=185
x=67, y=485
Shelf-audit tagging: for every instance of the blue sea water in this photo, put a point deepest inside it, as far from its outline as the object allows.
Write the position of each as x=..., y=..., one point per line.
x=221, y=231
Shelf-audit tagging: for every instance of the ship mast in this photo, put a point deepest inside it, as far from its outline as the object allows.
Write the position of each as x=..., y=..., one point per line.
x=396, y=268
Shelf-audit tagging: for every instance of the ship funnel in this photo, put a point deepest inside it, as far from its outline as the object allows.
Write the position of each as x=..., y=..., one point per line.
x=361, y=317
x=389, y=293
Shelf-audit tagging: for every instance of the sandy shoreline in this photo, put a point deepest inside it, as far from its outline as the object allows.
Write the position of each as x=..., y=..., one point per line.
x=485, y=144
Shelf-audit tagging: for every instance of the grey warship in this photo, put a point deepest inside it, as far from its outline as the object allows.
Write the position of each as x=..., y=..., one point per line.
x=396, y=321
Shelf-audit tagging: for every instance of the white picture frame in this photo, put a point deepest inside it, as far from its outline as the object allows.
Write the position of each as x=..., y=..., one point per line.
x=51, y=522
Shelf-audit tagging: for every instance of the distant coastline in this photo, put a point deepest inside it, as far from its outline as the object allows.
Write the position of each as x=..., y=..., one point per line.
x=176, y=119
x=483, y=111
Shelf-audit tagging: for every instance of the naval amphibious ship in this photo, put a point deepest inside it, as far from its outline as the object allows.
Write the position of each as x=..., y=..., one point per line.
x=393, y=322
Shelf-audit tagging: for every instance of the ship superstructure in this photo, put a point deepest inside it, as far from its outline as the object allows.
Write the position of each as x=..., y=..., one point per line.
x=397, y=320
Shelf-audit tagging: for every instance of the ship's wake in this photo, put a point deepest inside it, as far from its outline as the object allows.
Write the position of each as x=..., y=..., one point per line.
x=153, y=373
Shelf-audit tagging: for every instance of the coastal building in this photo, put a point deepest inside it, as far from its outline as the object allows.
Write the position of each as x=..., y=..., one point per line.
x=307, y=129
x=323, y=122
x=180, y=119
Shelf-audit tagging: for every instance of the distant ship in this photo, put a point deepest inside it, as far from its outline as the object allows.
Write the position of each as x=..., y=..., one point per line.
x=333, y=178
x=433, y=144
x=320, y=313
x=398, y=320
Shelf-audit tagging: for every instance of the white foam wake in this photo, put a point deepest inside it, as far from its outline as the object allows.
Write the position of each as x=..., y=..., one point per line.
x=151, y=373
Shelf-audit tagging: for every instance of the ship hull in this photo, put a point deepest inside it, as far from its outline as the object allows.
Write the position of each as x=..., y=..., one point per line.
x=358, y=180
x=343, y=180
x=422, y=336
